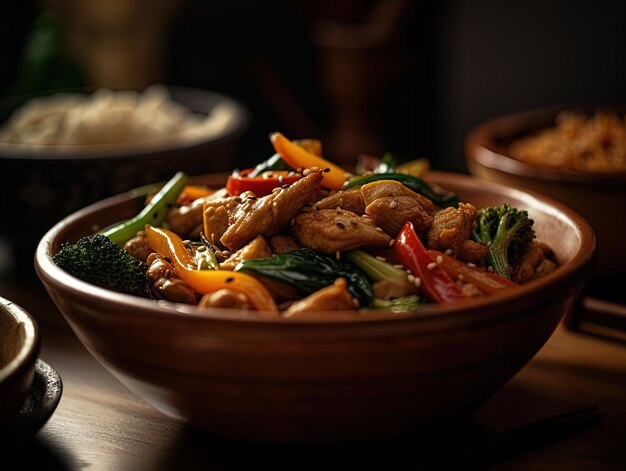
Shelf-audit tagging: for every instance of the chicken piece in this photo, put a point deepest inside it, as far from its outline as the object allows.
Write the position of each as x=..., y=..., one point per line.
x=167, y=283
x=235, y=221
x=528, y=264
x=185, y=220
x=258, y=248
x=545, y=267
x=473, y=252
x=350, y=200
x=282, y=244
x=392, y=212
x=332, y=230
x=387, y=188
x=280, y=291
x=335, y=297
x=138, y=247
x=225, y=298
x=451, y=227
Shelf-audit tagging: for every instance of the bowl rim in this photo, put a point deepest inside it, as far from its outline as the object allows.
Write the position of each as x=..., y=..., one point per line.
x=29, y=349
x=137, y=150
x=549, y=286
x=481, y=144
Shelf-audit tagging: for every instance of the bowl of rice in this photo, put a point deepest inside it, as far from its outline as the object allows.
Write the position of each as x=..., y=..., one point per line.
x=62, y=150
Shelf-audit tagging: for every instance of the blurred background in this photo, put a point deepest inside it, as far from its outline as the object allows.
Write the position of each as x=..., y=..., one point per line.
x=408, y=77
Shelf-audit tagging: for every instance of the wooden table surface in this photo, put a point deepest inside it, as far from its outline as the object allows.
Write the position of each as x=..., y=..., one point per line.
x=99, y=424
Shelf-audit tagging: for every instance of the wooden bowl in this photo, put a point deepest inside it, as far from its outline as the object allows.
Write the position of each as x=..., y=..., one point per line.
x=19, y=347
x=327, y=379
x=599, y=198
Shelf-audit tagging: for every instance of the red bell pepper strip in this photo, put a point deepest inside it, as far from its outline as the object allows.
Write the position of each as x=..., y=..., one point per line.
x=239, y=183
x=486, y=281
x=436, y=284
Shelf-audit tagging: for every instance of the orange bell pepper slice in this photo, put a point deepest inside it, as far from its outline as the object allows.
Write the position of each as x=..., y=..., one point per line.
x=168, y=244
x=298, y=157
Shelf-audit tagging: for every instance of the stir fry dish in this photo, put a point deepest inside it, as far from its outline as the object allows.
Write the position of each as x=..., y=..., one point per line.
x=298, y=234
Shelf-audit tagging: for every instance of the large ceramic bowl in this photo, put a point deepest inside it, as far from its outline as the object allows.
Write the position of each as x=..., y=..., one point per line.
x=332, y=378
x=19, y=347
x=45, y=183
x=599, y=198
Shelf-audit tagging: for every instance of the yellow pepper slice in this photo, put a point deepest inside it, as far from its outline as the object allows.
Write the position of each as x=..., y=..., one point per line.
x=168, y=244
x=298, y=157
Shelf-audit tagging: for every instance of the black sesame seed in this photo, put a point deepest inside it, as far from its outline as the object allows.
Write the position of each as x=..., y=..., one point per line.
x=168, y=260
x=341, y=225
x=230, y=279
x=326, y=170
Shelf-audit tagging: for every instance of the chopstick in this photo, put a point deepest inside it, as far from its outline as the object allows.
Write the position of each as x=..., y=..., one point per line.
x=511, y=442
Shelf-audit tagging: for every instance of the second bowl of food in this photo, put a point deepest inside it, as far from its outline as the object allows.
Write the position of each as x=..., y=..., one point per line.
x=295, y=303
x=575, y=154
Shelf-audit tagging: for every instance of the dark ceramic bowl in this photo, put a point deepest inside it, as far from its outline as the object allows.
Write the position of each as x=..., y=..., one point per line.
x=43, y=184
x=19, y=347
x=327, y=378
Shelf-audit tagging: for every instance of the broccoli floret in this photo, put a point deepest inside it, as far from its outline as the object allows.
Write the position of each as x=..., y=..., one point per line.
x=97, y=260
x=510, y=232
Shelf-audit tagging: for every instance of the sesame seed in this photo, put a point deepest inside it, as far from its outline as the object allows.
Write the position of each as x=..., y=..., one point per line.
x=393, y=204
x=202, y=248
x=470, y=264
x=306, y=172
x=392, y=242
x=448, y=252
x=410, y=278
x=490, y=269
x=276, y=190
x=408, y=271
x=489, y=243
x=315, y=169
x=398, y=266
x=291, y=173
x=186, y=242
x=281, y=179
x=338, y=208
x=417, y=282
x=431, y=265
x=337, y=254
x=225, y=253
x=382, y=259
x=439, y=259
x=379, y=229
x=293, y=221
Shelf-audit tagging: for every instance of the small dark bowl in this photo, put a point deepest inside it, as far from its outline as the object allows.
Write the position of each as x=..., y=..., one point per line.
x=20, y=342
x=43, y=184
